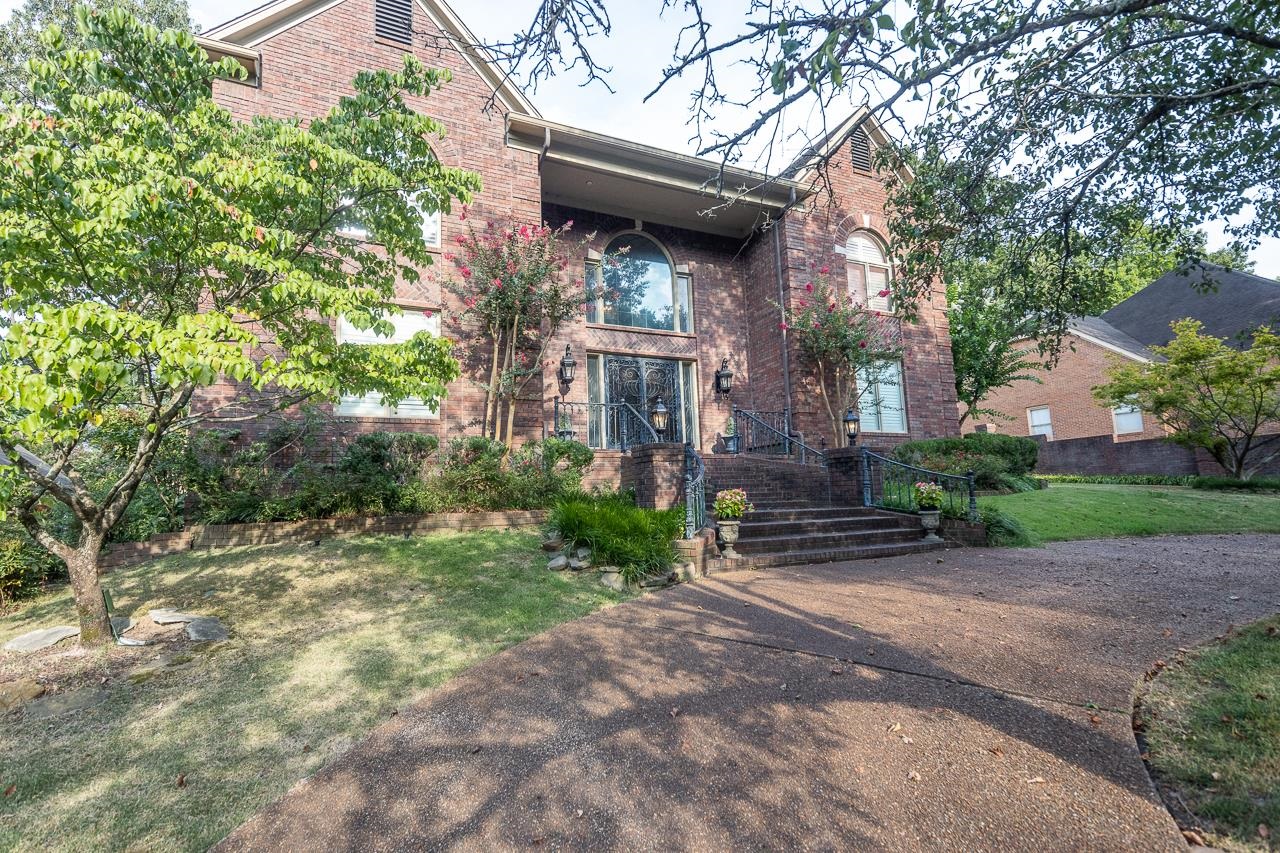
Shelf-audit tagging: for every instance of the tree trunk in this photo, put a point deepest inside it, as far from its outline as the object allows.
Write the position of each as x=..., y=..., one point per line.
x=95, y=624
x=491, y=400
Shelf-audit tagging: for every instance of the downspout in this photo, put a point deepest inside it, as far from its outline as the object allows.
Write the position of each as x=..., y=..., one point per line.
x=782, y=313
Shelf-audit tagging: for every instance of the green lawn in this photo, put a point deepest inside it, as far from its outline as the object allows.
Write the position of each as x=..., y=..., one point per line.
x=1088, y=511
x=1212, y=726
x=327, y=641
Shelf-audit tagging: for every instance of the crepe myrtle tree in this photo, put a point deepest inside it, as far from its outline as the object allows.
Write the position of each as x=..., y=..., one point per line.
x=847, y=348
x=151, y=246
x=513, y=282
x=1209, y=394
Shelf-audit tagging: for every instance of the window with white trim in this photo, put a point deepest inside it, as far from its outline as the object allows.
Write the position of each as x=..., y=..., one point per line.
x=1128, y=419
x=1039, y=422
x=881, y=403
x=868, y=271
x=349, y=224
x=370, y=405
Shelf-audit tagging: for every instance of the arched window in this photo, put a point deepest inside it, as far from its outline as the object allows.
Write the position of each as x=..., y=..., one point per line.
x=868, y=270
x=635, y=284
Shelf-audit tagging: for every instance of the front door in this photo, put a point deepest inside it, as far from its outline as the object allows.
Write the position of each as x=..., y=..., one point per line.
x=640, y=382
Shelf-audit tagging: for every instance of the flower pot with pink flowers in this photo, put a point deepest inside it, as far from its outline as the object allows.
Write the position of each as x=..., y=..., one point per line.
x=730, y=506
x=928, y=497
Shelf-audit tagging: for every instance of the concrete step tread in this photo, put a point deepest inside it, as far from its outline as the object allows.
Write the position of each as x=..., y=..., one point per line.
x=826, y=555
x=816, y=541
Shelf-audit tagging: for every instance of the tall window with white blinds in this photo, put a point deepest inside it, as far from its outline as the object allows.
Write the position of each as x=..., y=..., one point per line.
x=868, y=271
x=881, y=403
x=370, y=405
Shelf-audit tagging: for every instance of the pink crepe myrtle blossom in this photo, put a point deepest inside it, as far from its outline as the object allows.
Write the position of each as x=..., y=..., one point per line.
x=825, y=271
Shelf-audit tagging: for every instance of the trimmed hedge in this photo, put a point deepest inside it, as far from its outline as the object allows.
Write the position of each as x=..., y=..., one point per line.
x=1121, y=479
x=1257, y=484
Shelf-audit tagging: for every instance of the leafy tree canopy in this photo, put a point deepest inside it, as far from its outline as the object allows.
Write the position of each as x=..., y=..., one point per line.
x=20, y=35
x=151, y=246
x=1209, y=395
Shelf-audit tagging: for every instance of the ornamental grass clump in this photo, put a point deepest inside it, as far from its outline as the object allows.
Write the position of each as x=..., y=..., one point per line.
x=928, y=496
x=732, y=504
x=636, y=540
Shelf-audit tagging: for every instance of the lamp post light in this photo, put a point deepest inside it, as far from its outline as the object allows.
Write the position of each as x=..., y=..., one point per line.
x=660, y=418
x=724, y=378
x=568, y=365
x=852, y=424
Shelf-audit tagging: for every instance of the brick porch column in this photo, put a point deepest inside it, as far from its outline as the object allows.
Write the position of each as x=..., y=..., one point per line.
x=656, y=472
x=844, y=467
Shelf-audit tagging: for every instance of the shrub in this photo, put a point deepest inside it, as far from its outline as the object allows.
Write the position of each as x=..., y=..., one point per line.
x=1004, y=530
x=24, y=565
x=989, y=456
x=638, y=541
x=1120, y=479
x=1257, y=484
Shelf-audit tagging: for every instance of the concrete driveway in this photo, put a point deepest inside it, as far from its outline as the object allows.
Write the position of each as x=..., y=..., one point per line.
x=967, y=699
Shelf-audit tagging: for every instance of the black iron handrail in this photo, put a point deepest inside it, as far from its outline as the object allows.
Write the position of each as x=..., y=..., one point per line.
x=890, y=484
x=750, y=427
x=632, y=427
x=695, y=492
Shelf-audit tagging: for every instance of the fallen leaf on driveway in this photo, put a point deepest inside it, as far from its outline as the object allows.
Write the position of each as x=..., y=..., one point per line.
x=913, y=776
x=996, y=751
x=894, y=727
x=1036, y=780
x=1095, y=719
x=675, y=712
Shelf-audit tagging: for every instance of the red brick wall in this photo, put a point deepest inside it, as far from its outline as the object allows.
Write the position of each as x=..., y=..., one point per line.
x=1067, y=390
x=306, y=68
x=850, y=200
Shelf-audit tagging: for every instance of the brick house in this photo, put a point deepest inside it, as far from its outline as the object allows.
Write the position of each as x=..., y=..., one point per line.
x=1229, y=303
x=720, y=252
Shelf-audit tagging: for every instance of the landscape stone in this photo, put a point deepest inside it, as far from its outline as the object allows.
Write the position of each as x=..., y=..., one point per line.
x=207, y=629
x=612, y=578
x=583, y=553
x=14, y=694
x=43, y=638
x=552, y=544
x=167, y=616
x=577, y=565
x=558, y=563
x=57, y=704
x=169, y=663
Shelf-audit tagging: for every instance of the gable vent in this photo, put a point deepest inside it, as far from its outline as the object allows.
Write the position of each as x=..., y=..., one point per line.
x=860, y=149
x=393, y=20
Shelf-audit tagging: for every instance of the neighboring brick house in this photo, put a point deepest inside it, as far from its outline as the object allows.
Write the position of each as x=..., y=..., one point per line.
x=718, y=263
x=1229, y=303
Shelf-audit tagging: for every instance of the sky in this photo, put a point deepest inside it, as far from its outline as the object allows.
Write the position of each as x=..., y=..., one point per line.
x=638, y=50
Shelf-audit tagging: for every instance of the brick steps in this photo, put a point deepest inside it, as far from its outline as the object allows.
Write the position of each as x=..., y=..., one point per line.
x=842, y=522
x=838, y=541
x=837, y=555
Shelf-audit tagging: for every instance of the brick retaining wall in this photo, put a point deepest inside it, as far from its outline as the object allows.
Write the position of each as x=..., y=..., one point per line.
x=1098, y=454
x=213, y=536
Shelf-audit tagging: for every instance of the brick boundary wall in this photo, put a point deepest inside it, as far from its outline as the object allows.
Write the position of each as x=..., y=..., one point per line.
x=1100, y=455
x=215, y=536
x=656, y=472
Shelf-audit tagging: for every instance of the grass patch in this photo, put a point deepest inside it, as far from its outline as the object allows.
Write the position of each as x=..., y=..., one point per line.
x=327, y=641
x=1089, y=511
x=1212, y=726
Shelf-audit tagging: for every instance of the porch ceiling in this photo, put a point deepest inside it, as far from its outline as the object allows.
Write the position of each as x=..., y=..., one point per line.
x=609, y=175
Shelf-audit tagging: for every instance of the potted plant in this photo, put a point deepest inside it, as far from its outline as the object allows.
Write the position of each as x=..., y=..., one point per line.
x=730, y=506
x=730, y=436
x=929, y=499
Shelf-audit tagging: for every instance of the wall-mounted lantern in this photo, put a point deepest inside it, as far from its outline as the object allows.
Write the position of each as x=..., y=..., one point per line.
x=568, y=365
x=852, y=424
x=660, y=418
x=724, y=378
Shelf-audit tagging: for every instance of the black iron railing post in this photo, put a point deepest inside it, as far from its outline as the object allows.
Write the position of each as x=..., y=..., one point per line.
x=689, y=528
x=866, y=477
x=973, y=495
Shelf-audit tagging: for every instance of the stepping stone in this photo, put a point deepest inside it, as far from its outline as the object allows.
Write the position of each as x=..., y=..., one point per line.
x=207, y=629
x=34, y=641
x=15, y=694
x=168, y=616
x=64, y=703
x=164, y=663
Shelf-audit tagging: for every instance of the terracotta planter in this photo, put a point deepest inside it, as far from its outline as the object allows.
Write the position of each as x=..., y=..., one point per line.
x=728, y=528
x=931, y=520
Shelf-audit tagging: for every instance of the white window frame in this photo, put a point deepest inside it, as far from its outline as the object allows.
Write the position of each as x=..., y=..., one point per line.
x=864, y=252
x=432, y=227
x=370, y=405
x=871, y=399
x=1125, y=411
x=681, y=289
x=1031, y=424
